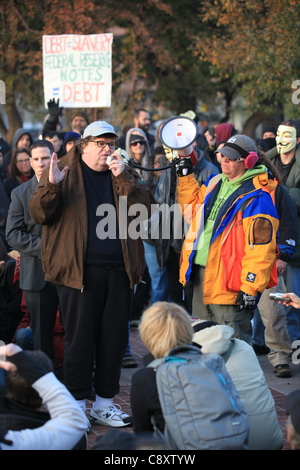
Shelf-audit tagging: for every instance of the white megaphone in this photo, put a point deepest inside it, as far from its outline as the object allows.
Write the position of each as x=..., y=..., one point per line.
x=178, y=133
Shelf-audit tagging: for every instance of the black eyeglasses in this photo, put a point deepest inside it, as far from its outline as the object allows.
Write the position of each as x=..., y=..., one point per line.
x=102, y=144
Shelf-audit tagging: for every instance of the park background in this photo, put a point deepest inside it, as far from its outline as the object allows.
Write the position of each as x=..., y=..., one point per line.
x=230, y=61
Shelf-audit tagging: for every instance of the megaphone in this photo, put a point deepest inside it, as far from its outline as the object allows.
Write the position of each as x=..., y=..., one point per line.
x=178, y=133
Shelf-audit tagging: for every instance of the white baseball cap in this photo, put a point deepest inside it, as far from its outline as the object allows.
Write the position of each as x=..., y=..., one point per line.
x=98, y=128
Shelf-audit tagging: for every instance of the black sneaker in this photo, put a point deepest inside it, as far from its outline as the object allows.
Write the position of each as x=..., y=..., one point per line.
x=129, y=362
x=283, y=371
x=260, y=350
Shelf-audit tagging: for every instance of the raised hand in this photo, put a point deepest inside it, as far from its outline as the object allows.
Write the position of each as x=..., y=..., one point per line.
x=54, y=108
x=5, y=352
x=55, y=175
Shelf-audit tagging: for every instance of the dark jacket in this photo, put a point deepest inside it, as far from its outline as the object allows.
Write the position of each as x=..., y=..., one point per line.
x=61, y=208
x=17, y=417
x=144, y=400
x=10, y=289
x=17, y=135
x=4, y=206
x=292, y=185
x=24, y=235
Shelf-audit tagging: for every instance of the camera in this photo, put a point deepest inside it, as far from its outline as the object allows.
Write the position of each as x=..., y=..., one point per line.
x=277, y=296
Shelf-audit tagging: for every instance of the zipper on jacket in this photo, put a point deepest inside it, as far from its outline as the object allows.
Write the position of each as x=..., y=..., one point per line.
x=251, y=235
x=82, y=289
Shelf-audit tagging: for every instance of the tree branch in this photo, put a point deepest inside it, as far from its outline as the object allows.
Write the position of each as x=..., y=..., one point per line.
x=23, y=21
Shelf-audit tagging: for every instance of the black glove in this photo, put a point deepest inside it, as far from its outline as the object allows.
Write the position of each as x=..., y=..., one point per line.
x=54, y=108
x=183, y=166
x=245, y=301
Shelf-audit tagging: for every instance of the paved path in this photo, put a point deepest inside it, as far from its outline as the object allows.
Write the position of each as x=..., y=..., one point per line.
x=279, y=387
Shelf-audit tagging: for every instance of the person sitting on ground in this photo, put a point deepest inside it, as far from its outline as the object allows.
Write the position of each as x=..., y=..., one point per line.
x=248, y=377
x=67, y=422
x=11, y=314
x=164, y=326
x=292, y=407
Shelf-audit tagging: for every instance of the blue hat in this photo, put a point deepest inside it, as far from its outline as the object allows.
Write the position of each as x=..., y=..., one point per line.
x=71, y=135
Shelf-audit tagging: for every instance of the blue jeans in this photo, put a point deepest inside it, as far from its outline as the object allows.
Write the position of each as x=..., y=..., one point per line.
x=24, y=339
x=159, y=277
x=290, y=282
x=2, y=381
x=258, y=329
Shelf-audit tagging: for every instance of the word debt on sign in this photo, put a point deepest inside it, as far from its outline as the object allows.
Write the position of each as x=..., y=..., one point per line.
x=77, y=70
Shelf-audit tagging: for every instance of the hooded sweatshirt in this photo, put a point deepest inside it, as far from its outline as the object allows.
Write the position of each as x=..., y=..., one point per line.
x=17, y=136
x=144, y=175
x=249, y=380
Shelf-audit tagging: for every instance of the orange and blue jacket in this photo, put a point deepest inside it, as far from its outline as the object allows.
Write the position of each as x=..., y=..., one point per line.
x=243, y=246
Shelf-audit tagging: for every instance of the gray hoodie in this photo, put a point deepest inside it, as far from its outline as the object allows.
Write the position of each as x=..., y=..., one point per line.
x=248, y=377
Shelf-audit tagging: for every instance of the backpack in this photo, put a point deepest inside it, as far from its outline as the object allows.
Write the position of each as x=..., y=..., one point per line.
x=200, y=404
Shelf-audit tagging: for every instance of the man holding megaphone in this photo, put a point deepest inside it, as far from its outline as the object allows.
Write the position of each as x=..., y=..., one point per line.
x=230, y=249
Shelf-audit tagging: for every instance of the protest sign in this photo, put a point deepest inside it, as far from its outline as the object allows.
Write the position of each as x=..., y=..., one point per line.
x=77, y=70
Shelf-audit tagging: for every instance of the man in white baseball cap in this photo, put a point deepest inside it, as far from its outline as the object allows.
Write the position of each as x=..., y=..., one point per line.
x=94, y=268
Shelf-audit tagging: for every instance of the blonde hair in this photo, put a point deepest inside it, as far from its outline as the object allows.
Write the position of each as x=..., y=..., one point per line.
x=163, y=326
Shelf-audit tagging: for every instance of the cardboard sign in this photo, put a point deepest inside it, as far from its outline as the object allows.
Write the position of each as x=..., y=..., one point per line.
x=77, y=70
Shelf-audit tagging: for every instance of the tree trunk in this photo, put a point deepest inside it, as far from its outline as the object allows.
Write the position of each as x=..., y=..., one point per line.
x=14, y=121
x=252, y=123
x=3, y=129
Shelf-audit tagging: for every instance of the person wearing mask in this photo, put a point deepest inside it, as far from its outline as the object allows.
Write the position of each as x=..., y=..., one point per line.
x=286, y=158
x=269, y=136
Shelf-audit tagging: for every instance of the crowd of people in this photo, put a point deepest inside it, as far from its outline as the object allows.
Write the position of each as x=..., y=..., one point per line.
x=81, y=265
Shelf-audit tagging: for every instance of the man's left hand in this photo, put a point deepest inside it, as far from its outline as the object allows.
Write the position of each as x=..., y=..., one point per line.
x=245, y=301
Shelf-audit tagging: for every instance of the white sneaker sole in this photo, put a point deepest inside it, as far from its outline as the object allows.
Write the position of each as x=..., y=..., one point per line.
x=110, y=423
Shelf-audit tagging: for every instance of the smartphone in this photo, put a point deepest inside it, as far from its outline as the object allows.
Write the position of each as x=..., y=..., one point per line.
x=211, y=130
x=277, y=296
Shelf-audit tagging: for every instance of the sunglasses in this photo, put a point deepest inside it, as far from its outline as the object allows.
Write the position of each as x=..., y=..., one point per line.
x=137, y=143
x=232, y=160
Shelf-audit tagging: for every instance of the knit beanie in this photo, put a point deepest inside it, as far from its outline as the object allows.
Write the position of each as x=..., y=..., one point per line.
x=82, y=114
